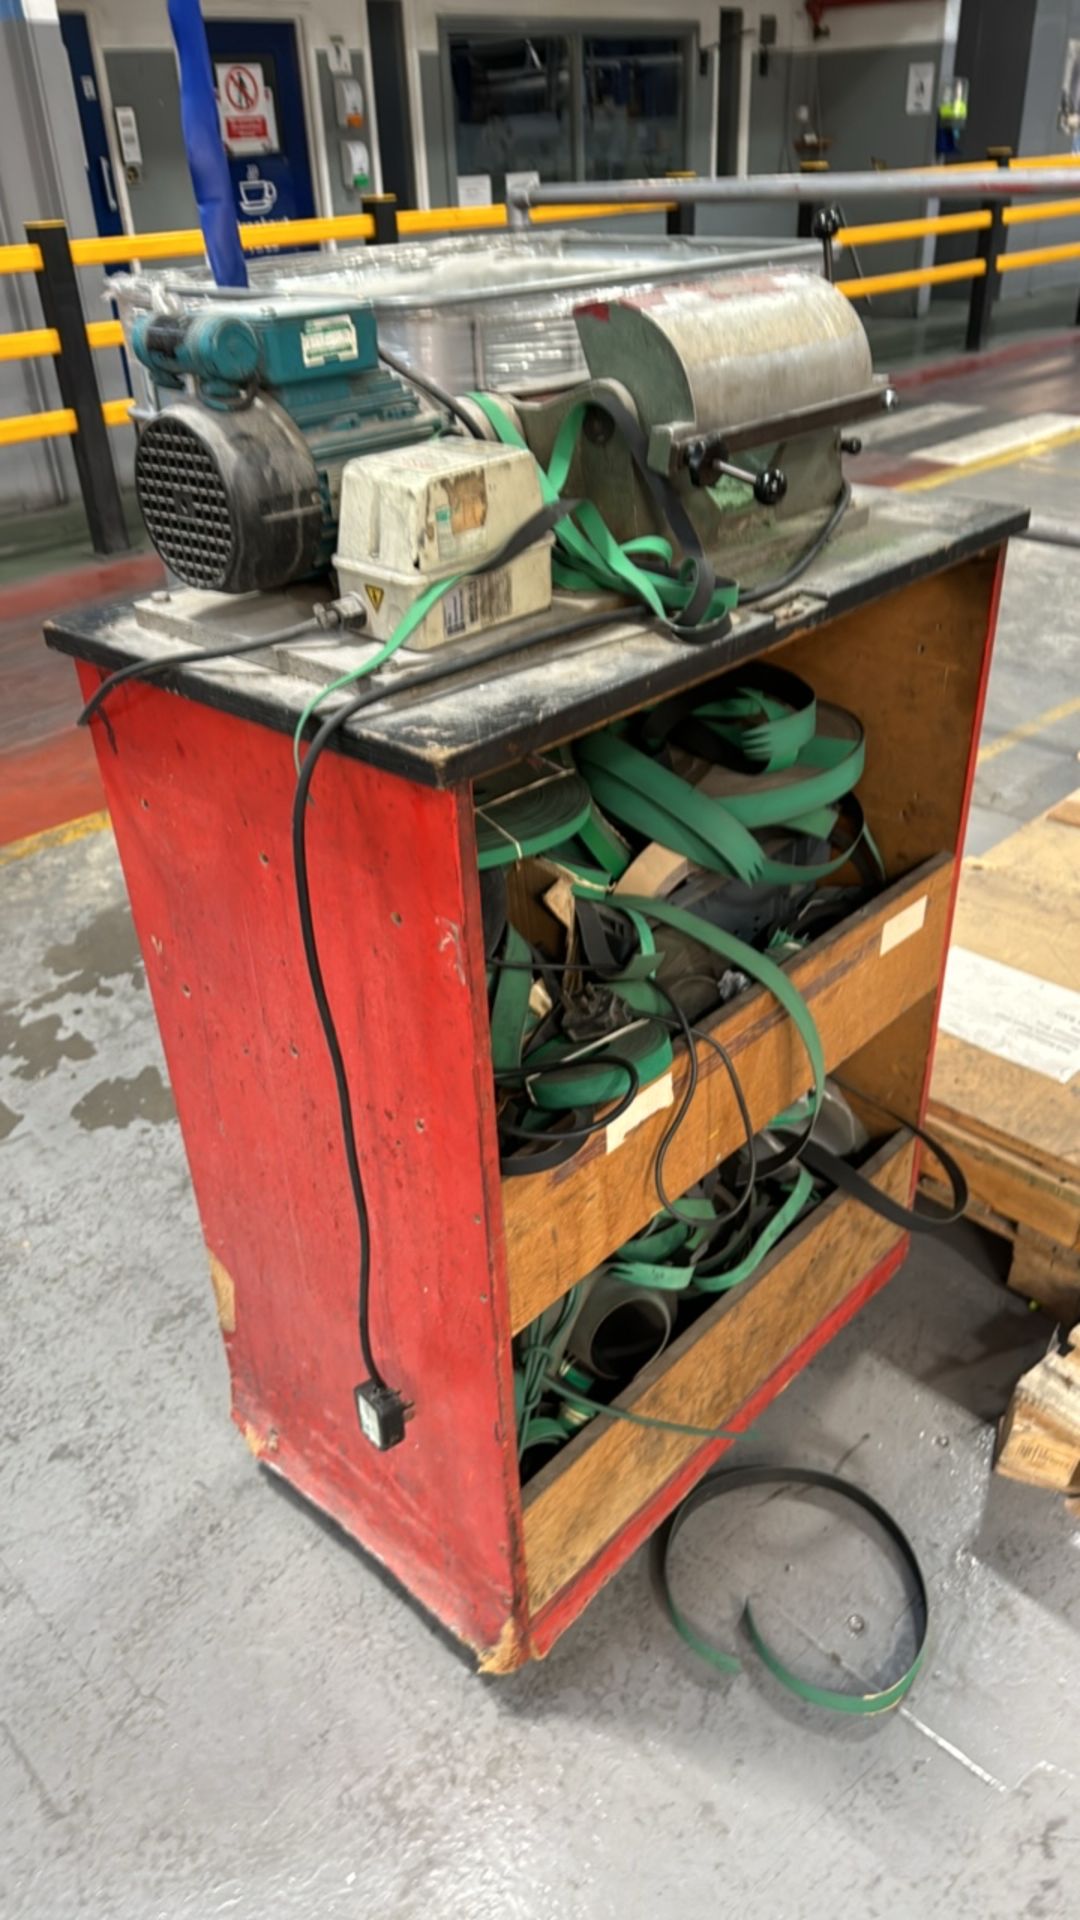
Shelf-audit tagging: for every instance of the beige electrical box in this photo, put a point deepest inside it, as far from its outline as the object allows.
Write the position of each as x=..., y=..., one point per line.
x=415, y=515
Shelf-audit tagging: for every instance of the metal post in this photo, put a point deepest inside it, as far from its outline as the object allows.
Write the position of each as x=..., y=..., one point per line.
x=681, y=219
x=383, y=210
x=984, y=290
x=61, y=306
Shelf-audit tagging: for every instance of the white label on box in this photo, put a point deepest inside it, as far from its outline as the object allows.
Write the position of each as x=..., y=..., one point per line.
x=474, y=190
x=652, y=1099
x=920, y=87
x=1021, y=1018
x=903, y=924
x=127, y=132
x=328, y=337
x=481, y=601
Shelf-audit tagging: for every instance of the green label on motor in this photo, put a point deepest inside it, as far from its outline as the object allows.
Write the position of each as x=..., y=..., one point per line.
x=327, y=337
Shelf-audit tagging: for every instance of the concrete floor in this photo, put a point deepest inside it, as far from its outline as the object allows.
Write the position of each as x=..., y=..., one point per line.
x=210, y=1706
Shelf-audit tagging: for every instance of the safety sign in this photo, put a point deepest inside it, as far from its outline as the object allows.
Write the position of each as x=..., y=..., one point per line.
x=246, y=108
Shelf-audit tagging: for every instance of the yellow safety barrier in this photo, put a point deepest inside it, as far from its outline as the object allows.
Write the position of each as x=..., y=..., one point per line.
x=887, y=230
x=916, y=277
x=20, y=259
x=188, y=243
x=37, y=342
x=55, y=424
x=255, y=237
x=37, y=426
x=1038, y=257
x=30, y=345
x=1046, y=160
x=1025, y=216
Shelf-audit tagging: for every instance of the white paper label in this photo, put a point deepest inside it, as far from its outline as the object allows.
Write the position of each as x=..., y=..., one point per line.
x=652, y=1099
x=920, y=87
x=1021, y=1018
x=903, y=924
x=474, y=190
x=127, y=132
x=481, y=601
x=332, y=337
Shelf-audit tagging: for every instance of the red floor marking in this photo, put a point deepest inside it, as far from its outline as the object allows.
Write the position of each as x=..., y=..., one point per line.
x=48, y=771
x=983, y=362
x=99, y=580
x=47, y=784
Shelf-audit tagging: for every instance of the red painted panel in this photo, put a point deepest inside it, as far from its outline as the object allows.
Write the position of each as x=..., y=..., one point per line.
x=201, y=803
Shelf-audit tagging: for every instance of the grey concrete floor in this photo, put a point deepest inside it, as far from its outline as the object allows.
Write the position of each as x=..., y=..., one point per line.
x=210, y=1706
x=1034, y=680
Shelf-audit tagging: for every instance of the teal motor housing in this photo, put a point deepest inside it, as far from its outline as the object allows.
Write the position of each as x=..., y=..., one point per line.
x=239, y=478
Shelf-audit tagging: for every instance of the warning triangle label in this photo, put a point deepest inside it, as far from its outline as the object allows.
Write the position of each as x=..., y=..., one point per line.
x=375, y=594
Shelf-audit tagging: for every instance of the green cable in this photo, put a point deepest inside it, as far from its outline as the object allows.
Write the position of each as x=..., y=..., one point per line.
x=418, y=612
x=563, y=1392
x=773, y=1230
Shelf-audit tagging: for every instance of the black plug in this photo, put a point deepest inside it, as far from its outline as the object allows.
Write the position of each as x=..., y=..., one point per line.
x=382, y=1414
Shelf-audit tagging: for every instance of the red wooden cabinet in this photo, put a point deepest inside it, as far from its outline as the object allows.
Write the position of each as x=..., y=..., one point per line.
x=200, y=787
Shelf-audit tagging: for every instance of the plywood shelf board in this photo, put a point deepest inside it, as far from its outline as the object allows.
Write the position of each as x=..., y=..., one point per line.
x=1017, y=1131
x=561, y=1225
x=579, y=1502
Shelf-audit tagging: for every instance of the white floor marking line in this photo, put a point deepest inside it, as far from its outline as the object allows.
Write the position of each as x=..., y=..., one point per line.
x=994, y=440
x=955, y=1753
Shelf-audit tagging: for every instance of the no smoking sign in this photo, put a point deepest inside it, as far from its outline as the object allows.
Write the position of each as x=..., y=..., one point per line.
x=246, y=110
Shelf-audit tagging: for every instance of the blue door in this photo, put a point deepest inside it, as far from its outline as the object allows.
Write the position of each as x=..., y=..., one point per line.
x=99, y=174
x=257, y=73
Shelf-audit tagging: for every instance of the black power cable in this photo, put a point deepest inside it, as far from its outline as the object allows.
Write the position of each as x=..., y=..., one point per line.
x=433, y=390
x=679, y=1024
x=380, y=1407
x=751, y=595
x=302, y=634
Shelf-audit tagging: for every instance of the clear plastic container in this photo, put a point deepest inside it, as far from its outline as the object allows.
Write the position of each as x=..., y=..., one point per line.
x=476, y=310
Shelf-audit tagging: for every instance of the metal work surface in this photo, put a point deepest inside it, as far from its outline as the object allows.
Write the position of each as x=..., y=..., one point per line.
x=485, y=718
x=212, y=1707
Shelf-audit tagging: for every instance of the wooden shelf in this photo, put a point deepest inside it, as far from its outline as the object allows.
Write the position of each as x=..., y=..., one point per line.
x=595, y=1486
x=869, y=971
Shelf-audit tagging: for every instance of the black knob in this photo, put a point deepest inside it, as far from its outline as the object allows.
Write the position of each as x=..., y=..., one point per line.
x=852, y=444
x=770, y=487
x=826, y=223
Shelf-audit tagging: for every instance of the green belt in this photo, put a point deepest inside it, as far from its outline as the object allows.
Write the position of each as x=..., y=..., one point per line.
x=756, y=965
x=719, y=833
x=877, y=1700
x=587, y=555
x=548, y=816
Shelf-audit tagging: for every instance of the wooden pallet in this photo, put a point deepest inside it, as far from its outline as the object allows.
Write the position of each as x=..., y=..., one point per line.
x=1039, y=1437
x=1016, y=1132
